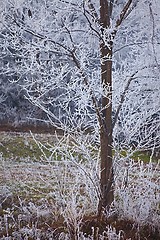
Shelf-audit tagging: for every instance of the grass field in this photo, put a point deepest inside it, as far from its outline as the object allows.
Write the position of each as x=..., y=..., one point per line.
x=47, y=193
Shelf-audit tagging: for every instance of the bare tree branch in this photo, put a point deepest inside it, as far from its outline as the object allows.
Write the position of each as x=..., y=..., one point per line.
x=111, y=6
x=86, y=81
x=123, y=13
x=123, y=95
x=153, y=34
x=90, y=24
x=93, y=10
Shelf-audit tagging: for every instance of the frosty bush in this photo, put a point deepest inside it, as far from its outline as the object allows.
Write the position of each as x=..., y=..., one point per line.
x=137, y=192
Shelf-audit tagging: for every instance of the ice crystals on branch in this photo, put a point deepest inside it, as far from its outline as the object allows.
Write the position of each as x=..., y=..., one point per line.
x=108, y=35
x=106, y=58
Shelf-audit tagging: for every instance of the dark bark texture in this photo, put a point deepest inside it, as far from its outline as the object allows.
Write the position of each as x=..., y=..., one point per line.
x=106, y=46
x=106, y=128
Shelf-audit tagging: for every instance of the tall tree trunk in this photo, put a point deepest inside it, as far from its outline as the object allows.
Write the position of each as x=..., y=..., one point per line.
x=106, y=179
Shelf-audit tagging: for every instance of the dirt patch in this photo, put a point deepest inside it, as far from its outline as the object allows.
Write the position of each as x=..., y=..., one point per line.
x=28, y=128
x=127, y=229
x=47, y=229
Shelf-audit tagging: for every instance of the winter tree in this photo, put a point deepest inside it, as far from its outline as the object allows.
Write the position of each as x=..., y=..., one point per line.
x=93, y=68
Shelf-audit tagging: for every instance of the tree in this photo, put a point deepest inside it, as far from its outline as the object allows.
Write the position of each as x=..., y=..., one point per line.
x=106, y=48
x=69, y=52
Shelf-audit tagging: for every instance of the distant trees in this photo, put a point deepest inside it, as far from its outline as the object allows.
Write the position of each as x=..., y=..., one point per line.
x=89, y=66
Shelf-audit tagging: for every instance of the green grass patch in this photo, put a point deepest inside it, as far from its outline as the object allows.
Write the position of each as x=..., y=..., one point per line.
x=138, y=155
x=17, y=147
x=20, y=146
x=143, y=156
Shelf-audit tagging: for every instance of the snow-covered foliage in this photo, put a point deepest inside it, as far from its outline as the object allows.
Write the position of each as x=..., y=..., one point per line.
x=137, y=195
x=50, y=49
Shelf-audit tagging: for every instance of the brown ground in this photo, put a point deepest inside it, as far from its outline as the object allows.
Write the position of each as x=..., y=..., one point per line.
x=28, y=128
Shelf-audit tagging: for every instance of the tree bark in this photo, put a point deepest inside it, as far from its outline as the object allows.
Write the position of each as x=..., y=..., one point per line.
x=107, y=176
x=106, y=44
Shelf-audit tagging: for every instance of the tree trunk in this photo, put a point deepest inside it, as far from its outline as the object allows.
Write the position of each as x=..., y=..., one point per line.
x=106, y=179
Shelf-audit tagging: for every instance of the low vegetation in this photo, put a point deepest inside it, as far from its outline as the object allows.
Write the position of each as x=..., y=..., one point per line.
x=49, y=190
